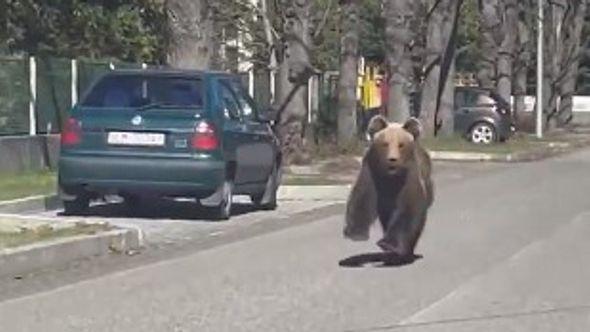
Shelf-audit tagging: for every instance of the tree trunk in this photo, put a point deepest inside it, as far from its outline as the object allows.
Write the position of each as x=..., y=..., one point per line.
x=489, y=30
x=399, y=39
x=435, y=43
x=295, y=71
x=571, y=58
x=290, y=123
x=348, y=79
x=519, y=90
x=270, y=40
x=522, y=58
x=566, y=105
x=553, y=65
x=445, y=117
x=438, y=89
x=191, y=30
x=507, y=49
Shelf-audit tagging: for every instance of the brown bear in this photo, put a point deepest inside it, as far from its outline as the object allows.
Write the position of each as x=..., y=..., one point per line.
x=394, y=185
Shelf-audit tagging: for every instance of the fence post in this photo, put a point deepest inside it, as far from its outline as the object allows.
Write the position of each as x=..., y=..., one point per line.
x=251, y=82
x=309, y=97
x=74, y=87
x=272, y=86
x=315, y=97
x=33, y=96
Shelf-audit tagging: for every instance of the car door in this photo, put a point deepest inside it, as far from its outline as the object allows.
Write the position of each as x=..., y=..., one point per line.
x=234, y=128
x=461, y=116
x=261, y=153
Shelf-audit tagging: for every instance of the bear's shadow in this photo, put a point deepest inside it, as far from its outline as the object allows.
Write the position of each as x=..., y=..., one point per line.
x=378, y=259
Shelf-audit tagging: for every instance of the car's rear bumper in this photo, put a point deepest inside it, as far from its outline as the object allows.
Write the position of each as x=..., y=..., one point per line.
x=165, y=177
x=505, y=129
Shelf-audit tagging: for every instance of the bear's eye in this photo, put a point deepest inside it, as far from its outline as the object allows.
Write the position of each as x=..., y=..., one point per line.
x=383, y=144
x=401, y=145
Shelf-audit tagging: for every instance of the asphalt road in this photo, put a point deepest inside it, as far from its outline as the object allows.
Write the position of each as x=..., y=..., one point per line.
x=505, y=249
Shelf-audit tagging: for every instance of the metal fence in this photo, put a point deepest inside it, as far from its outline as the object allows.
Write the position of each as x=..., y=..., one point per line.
x=37, y=93
x=14, y=96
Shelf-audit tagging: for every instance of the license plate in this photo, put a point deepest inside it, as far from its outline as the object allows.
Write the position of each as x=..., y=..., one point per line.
x=135, y=139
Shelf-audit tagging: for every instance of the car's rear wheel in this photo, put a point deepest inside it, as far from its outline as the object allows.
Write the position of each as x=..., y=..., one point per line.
x=267, y=200
x=482, y=133
x=77, y=206
x=223, y=209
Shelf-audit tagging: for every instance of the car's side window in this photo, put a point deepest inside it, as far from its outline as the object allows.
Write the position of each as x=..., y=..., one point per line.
x=459, y=99
x=247, y=105
x=470, y=98
x=231, y=108
x=484, y=100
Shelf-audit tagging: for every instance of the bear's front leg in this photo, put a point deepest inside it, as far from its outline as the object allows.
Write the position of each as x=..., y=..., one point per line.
x=361, y=207
x=395, y=237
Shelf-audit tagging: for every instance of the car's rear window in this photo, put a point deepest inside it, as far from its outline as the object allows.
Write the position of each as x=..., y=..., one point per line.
x=128, y=91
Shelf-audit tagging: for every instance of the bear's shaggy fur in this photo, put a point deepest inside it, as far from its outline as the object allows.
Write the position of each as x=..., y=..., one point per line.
x=394, y=185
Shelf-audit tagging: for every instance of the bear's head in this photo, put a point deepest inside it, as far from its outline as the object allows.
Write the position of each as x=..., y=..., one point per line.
x=392, y=144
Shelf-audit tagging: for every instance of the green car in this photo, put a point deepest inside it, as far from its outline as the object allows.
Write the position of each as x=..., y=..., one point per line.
x=168, y=133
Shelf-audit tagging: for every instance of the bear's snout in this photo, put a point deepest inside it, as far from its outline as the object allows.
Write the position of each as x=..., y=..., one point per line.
x=393, y=163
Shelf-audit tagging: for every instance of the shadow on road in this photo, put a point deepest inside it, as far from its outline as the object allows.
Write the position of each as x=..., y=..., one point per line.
x=162, y=209
x=385, y=259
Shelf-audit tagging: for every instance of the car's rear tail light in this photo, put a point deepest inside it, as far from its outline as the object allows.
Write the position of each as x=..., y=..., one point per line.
x=71, y=133
x=205, y=137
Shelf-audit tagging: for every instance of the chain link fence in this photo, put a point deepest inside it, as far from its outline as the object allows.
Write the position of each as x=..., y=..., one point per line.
x=53, y=88
x=14, y=96
x=54, y=96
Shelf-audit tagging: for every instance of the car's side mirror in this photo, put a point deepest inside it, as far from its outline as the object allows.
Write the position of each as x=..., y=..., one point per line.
x=267, y=116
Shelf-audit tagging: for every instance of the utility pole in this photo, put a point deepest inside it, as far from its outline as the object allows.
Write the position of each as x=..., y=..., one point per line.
x=540, y=70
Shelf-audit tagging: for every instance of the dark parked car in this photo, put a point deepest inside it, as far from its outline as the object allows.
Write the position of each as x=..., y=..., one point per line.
x=480, y=115
x=169, y=134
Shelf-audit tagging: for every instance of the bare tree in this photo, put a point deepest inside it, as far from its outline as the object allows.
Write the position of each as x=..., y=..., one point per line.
x=523, y=55
x=348, y=79
x=563, y=31
x=570, y=58
x=400, y=40
x=490, y=25
x=295, y=69
x=506, y=52
x=191, y=31
x=437, y=102
x=499, y=28
x=290, y=30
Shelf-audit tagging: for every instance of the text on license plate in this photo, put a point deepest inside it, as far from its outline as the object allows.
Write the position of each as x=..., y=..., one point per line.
x=137, y=139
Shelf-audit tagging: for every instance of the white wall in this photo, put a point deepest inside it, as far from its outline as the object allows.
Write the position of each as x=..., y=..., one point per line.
x=581, y=104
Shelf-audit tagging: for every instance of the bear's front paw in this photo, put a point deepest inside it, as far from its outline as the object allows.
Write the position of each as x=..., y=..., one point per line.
x=386, y=246
x=355, y=236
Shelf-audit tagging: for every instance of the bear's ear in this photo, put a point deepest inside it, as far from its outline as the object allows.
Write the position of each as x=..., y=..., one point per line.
x=377, y=123
x=414, y=127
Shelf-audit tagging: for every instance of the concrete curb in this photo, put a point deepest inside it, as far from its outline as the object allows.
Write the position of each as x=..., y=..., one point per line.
x=314, y=193
x=33, y=203
x=27, y=259
x=463, y=156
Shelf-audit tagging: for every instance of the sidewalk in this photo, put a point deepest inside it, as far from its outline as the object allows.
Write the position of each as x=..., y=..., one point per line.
x=30, y=244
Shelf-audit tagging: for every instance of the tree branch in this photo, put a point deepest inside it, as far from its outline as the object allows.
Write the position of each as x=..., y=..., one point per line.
x=322, y=24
